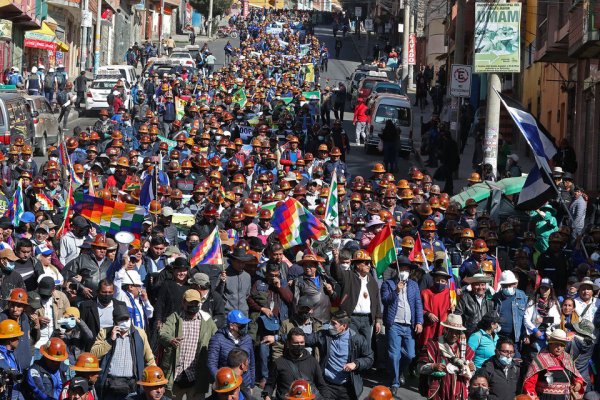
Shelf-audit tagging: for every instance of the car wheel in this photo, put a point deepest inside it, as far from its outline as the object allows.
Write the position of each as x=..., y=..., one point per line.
x=42, y=146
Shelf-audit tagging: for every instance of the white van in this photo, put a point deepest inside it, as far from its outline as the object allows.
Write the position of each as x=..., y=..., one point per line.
x=126, y=71
x=397, y=108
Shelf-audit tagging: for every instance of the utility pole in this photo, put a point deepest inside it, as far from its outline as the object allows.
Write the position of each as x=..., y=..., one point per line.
x=459, y=58
x=160, y=27
x=492, y=121
x=97, y=37
x=84, y=36
x=210, y=16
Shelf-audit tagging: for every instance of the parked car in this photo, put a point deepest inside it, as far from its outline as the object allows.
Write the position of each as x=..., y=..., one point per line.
x=15, y=118
x=126, y=71
x=398, y=109
x=386, y=87
x=361, y=72
x=45, y=123
x=364, y=88
x=96, y=96
x=183, y=58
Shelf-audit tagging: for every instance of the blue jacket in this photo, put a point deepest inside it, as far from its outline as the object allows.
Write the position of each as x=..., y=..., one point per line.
x=519, y=303
x=44, y=384
x=218, y=349
x=23, y=352
x=8, y=362
x=389, y=298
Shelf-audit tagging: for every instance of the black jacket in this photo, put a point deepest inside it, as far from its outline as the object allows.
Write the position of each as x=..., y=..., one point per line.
x=472, y=312
x=284, y=371
x=360, y=353
x=215, y=306
x=503, y=386
x=350, y=285
x=89, y=314
x=168, y=300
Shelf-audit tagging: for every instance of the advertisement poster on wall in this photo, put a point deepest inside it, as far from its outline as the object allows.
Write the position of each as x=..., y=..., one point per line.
x=497, y=37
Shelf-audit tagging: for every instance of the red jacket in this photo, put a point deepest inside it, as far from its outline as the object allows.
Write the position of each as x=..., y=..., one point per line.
x=360, y=113
x=117, y=103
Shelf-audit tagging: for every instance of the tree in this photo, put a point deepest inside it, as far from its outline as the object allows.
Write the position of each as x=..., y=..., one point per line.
x=219, y=6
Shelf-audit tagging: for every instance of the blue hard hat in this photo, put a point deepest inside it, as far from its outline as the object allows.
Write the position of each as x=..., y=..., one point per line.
x=237, y=317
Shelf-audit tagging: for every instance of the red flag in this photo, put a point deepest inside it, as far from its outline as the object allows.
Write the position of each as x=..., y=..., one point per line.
x=418, y=249
x=497, y=273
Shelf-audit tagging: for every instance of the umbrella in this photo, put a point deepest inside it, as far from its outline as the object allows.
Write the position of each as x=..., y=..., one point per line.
x=481, y=191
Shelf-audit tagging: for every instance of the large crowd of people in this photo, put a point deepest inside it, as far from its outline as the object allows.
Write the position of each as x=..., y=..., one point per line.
x=472, y=306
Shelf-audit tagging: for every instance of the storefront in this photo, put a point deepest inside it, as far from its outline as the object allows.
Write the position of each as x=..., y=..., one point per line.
x=5, y=53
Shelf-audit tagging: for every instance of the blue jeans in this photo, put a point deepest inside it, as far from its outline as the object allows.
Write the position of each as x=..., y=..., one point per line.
x=263, y=361
x=401, y=349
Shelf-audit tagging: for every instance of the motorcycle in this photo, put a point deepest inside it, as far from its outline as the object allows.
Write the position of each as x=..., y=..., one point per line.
x=227, y=31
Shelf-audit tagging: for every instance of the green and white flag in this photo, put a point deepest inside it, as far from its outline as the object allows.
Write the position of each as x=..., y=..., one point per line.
x=331, y=210
x=240, y=97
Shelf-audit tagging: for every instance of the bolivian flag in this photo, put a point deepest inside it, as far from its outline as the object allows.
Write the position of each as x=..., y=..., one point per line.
x=382, y=250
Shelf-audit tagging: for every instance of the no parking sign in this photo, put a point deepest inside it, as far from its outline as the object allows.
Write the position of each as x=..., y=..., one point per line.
x=460, y=83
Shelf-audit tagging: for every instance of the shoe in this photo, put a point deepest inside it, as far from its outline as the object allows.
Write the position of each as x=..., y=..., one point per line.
x=402, y=381
x=394, y=390
x=262, y=383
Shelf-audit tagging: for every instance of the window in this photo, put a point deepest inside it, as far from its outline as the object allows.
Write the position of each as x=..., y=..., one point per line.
x=399, y=115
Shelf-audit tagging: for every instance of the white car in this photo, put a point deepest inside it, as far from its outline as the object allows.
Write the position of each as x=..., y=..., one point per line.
x=96, y=96
x=184, y=58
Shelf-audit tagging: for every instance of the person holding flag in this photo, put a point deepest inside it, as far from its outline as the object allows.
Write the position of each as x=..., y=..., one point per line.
x=436, y=305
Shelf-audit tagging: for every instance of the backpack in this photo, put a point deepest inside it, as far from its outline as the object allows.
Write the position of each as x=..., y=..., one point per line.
x=110, y=99
x=60, y=77
x=61, y=97
x=49, y=81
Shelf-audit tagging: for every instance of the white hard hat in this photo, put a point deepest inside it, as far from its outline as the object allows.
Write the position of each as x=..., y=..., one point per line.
x=41, y=66
x=50, y=69
x=131, y=278
x=226, y=133
x=33, y=70
x=508, y=278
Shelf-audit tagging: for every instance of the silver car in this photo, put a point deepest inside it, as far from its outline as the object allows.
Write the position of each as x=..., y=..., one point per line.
x=45, y=123
x=396, y=108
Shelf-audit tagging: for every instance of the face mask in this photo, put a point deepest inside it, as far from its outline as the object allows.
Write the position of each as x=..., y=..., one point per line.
x=104, y=299
x=54, y=159
x=497, y=329
x=479, y=393
x=333, y=331
x=124, y=325
x=403, y=275
x=68, y=323
x=509, y=291
x=111, y=170
x=337, y=243
x=296, y=350
x=9, y=266
x=243, y=330
x=192, y=310
x=506, y=361
x=127, y=123
x=345, y=266
x=438, y=287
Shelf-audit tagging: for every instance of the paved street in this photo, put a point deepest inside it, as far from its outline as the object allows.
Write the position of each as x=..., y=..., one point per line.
x=358, y=161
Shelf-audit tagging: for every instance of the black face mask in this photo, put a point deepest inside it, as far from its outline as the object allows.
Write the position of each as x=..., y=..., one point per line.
x=296, y=350
x=104, y=299
x=192, y=310
x=479, y=393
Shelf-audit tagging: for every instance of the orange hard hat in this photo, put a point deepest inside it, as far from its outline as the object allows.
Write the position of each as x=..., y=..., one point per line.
x=153, y=376
x=408, y=241
x=479, y=246
x=226, y=380
x=10, y=329
x=87, y=362
x=55, y=350
x=300, y=390
x=18, y=295
x=428, y=225
x=380, y=393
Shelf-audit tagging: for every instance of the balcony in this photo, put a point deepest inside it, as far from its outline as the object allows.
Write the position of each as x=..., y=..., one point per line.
x=552, y=33
x=584, y=37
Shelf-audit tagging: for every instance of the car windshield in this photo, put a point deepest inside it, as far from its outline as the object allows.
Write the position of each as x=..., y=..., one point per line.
x=181, y=55
x=358, y=76
x=103, y=84
x=369, y=83
x=388, y=89
x=399, y=115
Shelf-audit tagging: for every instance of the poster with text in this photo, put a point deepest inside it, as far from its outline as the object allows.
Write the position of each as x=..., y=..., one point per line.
x=497, y=37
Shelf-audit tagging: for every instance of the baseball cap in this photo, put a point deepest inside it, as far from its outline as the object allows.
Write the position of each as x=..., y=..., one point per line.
x=192, y=295
x=79, y=382
x=237, y=317
x=167, y=212
x=28, y=217
x=43, y=249
x=200, y=279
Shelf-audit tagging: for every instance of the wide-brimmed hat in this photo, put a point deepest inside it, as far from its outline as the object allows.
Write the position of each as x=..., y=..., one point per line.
x=558, y=335
x=241, y=255
x=309, y=258
x=454, y=321
x=584, y=328
x=375, y=220
x=587, y=281
x=440, y=271
x=478, y=278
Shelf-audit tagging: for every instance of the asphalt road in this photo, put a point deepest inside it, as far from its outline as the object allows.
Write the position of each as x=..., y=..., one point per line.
x=359, y=163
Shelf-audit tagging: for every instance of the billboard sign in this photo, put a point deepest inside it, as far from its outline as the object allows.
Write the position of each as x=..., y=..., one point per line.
x=497, y=37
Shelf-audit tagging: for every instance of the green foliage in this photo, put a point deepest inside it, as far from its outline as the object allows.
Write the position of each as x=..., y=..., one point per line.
x=219, y=6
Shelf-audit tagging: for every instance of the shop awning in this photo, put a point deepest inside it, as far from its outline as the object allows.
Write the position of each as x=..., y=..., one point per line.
x=9, y=10
x=43, y=38
x=62, y=46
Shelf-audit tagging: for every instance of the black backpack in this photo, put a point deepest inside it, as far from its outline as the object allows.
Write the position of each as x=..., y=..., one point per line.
x=49, y=80
x=110, y=99
x=61, y=98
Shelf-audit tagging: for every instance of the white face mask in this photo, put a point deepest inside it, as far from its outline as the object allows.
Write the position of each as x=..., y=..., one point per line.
x=111, y=170
x=337, y=243
x=54, y=159
x=124, y=325
x=403, y=275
